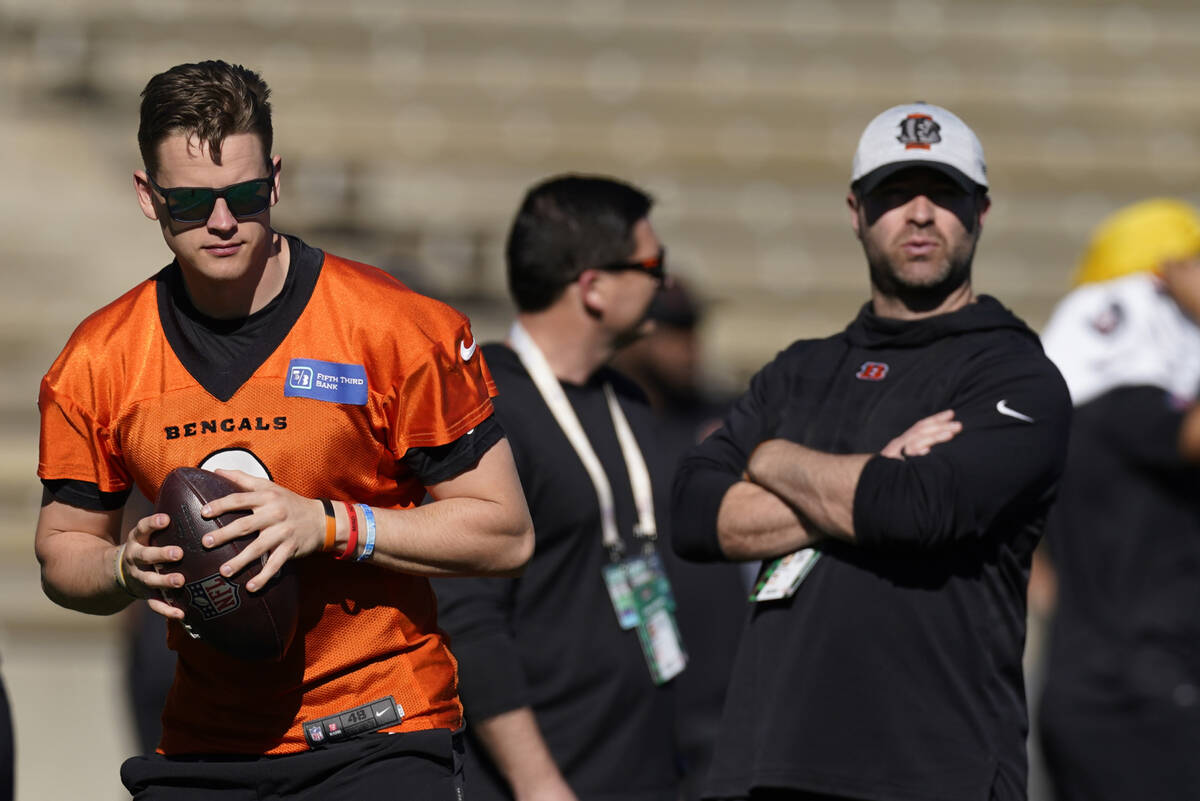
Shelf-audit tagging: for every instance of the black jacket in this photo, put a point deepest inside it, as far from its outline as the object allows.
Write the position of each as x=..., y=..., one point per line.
x=894, y=672
x=550, y=639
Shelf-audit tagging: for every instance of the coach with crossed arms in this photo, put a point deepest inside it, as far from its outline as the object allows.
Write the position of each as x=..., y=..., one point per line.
x=902, y=469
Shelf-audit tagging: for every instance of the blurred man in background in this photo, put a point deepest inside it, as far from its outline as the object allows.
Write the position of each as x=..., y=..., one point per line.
x=568, y=671
x=668, y=364
x=1120, y=713
x=896, y=477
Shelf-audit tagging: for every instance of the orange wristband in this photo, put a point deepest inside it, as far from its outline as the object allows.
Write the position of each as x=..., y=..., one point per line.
x=352, y=541
x=330, y=525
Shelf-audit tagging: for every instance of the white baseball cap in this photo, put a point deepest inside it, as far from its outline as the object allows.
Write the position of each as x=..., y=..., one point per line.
x=918, y=135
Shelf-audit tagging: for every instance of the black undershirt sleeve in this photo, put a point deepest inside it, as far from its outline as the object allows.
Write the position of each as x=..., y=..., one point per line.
x=440, y=463
x=997, y=462
x=82, y=494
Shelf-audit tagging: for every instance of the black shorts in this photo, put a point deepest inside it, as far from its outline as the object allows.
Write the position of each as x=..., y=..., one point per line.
x=414, y=765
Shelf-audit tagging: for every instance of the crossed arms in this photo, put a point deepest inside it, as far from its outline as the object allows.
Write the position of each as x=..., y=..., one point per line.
x=793, y=496
x=751, y=492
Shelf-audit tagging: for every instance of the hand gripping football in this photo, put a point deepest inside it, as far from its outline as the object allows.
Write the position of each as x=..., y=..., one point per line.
x=219, y=610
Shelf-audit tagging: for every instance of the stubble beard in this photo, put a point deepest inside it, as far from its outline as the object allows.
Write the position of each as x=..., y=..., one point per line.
x=924, y=294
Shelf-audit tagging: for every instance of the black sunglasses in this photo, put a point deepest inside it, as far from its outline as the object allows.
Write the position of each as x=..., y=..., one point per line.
x=656, y=266
x=191, y=204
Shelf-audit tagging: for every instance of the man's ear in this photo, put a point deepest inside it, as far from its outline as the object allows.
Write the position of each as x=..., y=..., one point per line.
x=592, y=292
x=145, y=194
x=855, y=217
x=984, y=205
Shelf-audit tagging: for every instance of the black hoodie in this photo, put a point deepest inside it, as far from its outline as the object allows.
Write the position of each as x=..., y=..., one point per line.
x=894, y=672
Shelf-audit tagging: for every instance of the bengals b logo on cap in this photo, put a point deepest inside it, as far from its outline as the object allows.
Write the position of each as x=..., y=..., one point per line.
x=919, y=131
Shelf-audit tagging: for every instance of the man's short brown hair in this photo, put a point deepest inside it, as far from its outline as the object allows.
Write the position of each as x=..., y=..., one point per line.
x=565, y=225
x=210, y=100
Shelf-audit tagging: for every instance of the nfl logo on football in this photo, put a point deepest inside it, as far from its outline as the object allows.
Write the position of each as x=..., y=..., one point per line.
x=214, y=596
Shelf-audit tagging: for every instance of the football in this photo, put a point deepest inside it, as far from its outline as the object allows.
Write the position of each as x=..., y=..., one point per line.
x=219, y=610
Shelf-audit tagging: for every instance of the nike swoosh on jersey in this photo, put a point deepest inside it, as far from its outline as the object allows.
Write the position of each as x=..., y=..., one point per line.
x=465, y=352
x=1002, y=407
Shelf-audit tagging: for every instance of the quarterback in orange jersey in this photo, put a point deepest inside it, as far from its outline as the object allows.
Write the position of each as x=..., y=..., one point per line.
x=316, y=385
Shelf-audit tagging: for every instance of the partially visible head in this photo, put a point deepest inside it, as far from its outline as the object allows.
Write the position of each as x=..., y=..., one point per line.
x=1142, y=237
x=566, y=225
x=675, y=307
x=918, y=196
x=208, y=102
x=666, y=362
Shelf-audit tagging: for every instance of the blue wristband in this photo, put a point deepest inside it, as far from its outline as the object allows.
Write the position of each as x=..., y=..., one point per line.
x=369, y=545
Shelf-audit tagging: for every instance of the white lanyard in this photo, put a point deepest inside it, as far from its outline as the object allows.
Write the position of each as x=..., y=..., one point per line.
x=639, y=477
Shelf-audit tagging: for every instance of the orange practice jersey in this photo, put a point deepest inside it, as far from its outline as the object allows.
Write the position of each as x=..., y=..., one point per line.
x=119, y=409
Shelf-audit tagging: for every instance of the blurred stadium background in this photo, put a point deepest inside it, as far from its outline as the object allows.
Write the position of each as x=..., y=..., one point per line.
x=409, y=131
